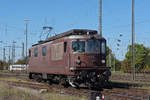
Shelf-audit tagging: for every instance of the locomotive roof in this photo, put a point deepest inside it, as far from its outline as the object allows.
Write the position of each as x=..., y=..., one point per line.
x=68, y=33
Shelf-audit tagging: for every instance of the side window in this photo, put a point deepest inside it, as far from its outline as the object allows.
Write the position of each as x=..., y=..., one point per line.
x=65, y=46
x=44, y=51
x=103, y=48
x=29, y=53
x=35, y=52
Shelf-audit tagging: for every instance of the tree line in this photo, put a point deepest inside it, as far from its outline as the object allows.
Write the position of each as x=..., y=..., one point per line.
x=6, y=64
x=142, y=59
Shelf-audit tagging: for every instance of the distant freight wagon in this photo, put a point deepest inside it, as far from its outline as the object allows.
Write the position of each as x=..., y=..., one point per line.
x=17, y=67
x=76, y=57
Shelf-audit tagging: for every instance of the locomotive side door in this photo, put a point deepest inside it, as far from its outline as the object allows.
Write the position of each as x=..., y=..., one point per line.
x=66, y=55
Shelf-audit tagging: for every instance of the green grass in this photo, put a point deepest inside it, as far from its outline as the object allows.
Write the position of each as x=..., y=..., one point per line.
x=13, y=79
x=54, y=96
x=12, y=93
x=15, y=71
x=4, y=71
x=9, y=93
x=119, y=73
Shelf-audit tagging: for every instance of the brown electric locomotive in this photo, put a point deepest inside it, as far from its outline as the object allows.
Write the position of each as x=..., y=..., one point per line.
x=76, y=57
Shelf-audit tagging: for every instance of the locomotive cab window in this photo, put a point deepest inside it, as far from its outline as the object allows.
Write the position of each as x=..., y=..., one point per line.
x=78, y=46
x=103, y=48
x=44, y=51
x=65, y=47
x=35, y=52
x=29, y=53
x=93, y=46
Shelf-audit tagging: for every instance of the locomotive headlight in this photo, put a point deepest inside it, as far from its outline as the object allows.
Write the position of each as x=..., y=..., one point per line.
x=103, y=61
x=72, y=68
x=78, y=61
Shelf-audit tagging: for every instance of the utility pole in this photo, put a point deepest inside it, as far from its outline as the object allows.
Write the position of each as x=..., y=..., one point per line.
x=1, y=48
x=100, y=18
x=133, y=39
x=13, y=52
x=114, y=63
x=22, y=50
x=26, y=20
x=4, y=59
x=9, y=53
x=109, y=59
x=9, y=58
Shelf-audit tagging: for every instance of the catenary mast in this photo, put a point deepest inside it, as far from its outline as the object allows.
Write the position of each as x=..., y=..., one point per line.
x=100, y=18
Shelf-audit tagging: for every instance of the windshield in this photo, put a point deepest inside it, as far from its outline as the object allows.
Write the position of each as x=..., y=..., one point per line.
x=78, y=46
x=103, y=50
x=93, y=46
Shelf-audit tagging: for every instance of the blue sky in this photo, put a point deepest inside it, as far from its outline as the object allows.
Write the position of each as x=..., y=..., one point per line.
x=64, y=15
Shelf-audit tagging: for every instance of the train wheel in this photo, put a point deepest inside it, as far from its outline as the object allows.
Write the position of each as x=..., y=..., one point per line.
x=30, y=76
x=38, y=78
x=64, y=82
x=50, y=82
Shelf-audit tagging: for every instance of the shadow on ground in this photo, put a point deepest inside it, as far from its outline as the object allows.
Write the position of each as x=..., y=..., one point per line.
x=125, y=85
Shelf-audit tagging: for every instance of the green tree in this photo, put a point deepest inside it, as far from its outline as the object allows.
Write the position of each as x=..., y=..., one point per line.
x=21, y=61
x=113, y=59
x=148, y=60
x=126, y=65
x=108, y=50
x=141, y=57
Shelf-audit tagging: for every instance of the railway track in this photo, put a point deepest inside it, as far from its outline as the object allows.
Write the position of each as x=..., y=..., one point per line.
x=142, y=77
x=121, y=93
x=126, y=94
x=109, y=94
x=126, y=77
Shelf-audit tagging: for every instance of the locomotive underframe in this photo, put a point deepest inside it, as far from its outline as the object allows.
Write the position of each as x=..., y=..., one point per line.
x=88, y=78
